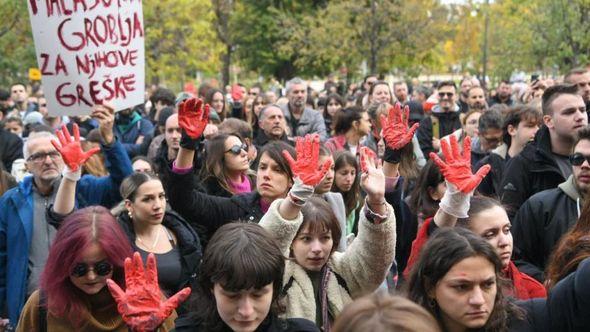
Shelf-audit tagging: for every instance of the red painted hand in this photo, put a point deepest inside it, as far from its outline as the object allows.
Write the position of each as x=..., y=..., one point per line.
x=141, y=304
x=70, y=149
x=395, y=127
x=193, y=117
x=457, y=168
x=306, y=166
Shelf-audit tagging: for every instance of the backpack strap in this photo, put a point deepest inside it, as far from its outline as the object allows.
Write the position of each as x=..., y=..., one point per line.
x=42, y=311
x=435, y=127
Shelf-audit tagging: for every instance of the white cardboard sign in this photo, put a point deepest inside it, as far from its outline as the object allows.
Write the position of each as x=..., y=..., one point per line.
x=89, y=52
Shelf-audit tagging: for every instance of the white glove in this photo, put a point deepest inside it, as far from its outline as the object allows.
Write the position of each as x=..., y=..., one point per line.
x=300, y=192
x=454, y=202
x=67, y=173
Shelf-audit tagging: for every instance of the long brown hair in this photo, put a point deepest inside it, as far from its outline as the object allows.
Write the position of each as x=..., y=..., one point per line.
x=571, y=250
x=215, y=160
x=352, y=198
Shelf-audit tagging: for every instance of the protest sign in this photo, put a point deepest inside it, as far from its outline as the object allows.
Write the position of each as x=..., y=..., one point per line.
x=89, y=52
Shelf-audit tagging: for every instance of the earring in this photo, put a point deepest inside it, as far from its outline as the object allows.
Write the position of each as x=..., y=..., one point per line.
x=432, y=303
x=130, y=214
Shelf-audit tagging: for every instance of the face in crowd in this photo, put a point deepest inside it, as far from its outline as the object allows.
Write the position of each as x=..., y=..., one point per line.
x=297, y=96
x=273, y=122
x=476, y=99
x=148, y=204
x=446, y=98
x=91, y=272
x=43, y=160
x=568, y=116
x=581, y=165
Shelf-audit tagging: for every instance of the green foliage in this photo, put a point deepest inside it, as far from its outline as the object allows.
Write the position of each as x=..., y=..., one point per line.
x=17, y=50
x=180, y=40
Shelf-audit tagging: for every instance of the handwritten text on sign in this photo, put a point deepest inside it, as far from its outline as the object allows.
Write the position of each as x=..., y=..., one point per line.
x=89, y=52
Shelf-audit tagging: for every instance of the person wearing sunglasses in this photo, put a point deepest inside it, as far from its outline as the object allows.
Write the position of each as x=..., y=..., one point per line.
x=23, y=209
x=227, y=169
x=89, y=248
x=151, y=229
x=546, y=216
x=443, y=120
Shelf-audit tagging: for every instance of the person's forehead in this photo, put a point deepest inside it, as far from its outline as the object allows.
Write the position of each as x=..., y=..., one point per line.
x=583, y=147
x=579, y=78
x=476, y=92
x=172, y=121
x=298, y=87
x=17, y=88
x=446, y=88
x=566, y=101
x=40, y=144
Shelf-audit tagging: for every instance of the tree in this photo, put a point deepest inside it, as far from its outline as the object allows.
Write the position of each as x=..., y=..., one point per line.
x=16, y=42
x=180, y=40
x=223, y=11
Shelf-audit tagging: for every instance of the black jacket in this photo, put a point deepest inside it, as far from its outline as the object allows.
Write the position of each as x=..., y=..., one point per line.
x=271, y=324
x=566, y=309
x=261, y=139
x=490, y=185
x=540, y=223
x=208, y=213
x=190, y=249
x=447, y=124
x=11, y=148
x=531, y=171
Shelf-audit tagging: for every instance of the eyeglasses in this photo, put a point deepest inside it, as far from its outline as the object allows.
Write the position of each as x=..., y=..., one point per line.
x=40, y=157
x=577, y=159
x=101, y=268
x=448, y=94
x=237, y=149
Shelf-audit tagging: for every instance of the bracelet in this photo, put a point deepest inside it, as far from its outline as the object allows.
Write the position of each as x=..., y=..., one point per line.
x=374, y=217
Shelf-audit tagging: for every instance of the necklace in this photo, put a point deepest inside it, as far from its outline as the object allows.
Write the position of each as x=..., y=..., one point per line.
x=155, y=241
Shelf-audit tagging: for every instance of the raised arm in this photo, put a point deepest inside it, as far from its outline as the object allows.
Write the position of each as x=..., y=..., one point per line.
x=74, y=157
x=307, y=174
x=396, y=135
x=192, y=118
x=366, y=261
x=460, y=181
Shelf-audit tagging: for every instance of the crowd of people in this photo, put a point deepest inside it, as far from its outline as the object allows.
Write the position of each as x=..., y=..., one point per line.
x=411, y=206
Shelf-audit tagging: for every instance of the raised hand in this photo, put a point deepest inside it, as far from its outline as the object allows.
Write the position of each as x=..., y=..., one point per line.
x=306, y=168
x=372, y=177
x=70, y=148
x=193, y=117
x=456, y=168
x=105, y=115
x=395, y=127
x=141, y=304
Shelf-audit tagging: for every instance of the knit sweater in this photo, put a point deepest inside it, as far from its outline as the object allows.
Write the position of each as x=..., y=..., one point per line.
x=357, y=271
x=103, y=316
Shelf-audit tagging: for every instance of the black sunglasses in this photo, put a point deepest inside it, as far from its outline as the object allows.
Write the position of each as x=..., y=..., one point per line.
x=101, y=268
x=577, y=159
x=448, y=94
x=237, y=149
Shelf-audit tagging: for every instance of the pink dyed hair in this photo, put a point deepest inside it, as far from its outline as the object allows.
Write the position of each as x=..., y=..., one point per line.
x=79, y=230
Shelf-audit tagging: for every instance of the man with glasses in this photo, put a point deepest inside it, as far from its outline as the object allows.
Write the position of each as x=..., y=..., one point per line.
x=546, y=216
x=544, y=164
x=25, y=234
x=443, y=121
x=489, y=137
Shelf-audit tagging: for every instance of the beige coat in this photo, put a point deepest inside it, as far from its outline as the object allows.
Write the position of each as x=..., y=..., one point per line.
x=363, y=266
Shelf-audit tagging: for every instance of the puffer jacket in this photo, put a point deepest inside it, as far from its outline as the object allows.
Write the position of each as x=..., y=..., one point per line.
x=357, y=271
x=540, y=223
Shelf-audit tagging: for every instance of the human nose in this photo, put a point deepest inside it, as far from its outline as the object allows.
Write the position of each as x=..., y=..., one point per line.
x=91, y=275
x=476, y=298
x=245, y=309
x=503, y=239
x=316, y=246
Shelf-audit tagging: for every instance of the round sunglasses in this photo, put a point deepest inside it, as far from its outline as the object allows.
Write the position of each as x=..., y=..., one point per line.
x=101, y=268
